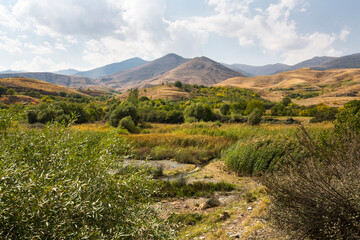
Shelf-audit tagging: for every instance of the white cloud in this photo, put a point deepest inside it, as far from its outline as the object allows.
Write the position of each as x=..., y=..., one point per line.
x=44, y=49
x=112, y=30
x=344, y=33
x=8, y=20
x=10, y=45
x=68, y=17
x=39, y=63
x=271, y=29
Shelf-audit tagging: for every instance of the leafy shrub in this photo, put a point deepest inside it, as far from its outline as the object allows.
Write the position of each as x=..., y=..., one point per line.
x=178, y=84
x=259, y=155
x=123, y=110
x=195, y=189
x=62, y=94
x=253, y=104
x=225, y=109
x=255, y=117
x=33, y=94
x=174, y=116
x=60, y=184
x=32, y=117
x=199, y=111
x=319, y=198
x=128, y=124
x=10, y=91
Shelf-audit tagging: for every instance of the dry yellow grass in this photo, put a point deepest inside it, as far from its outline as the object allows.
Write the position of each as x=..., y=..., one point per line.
x=27, y=84
x=163, y=91
x=337, y=85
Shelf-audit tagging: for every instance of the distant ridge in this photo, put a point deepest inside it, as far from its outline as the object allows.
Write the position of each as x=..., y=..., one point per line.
x=132, y=77
x=112, y=68
x=348, y=61
x=10, y=71
x=250, y=71
x=68, y=72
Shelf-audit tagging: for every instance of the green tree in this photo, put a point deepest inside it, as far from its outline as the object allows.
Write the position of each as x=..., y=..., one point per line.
x=225, y=109
x=134, y=96
x=123, y=110
x=199, y=111
x=286, y=101
x=254, y=104
x=128, y=124
x=255, y=117
x=174, y=116
x=178, y=84
x=62, y=94
x=10, y=92
x=3, y=91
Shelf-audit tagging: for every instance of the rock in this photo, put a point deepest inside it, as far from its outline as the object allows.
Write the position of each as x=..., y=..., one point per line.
x=250, y=208
x=236, y=235
x=213, y=202
x=210, y=203
x=225, y=215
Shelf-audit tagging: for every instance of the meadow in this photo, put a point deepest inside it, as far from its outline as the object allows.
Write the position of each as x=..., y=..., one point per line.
x=63, y=172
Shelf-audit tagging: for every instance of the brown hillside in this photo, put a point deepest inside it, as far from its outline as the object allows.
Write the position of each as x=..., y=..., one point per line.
x=163, y=91
x=19, y=99
x=200, y=71
x=26, y=85
x=130, y=78
x=69, y=81
x=336, y=86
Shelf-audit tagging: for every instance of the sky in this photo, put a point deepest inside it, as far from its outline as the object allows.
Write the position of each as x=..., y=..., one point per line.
x=50, y=35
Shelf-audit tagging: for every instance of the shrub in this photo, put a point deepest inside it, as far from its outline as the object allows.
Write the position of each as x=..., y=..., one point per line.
x=60, y=184
x=255, y=117
x=225, y=109
x=33, y=94
x=32, y=116
x=178, y=84
x=123, y=110
x=10, y=91
x=62, y=94
x=319, y=198
x=253, y=104
x=174, y=116
x=259, y=155
x=199, y=111
x=128, y=124
x=196, y=189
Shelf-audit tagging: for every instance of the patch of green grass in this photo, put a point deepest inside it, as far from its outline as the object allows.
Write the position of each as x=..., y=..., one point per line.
x=196, y=189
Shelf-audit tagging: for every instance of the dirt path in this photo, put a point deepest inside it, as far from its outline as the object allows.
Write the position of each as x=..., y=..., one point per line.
x=241, y=214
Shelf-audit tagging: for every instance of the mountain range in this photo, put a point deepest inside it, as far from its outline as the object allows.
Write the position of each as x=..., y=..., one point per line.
x=136, y=72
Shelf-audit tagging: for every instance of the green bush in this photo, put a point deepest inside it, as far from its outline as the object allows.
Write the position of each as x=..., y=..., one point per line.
x=199, y=111
x=253, y=104
x=255, y=117
x=60, y=184
x=319, y=198
x=196, y=189
x=259, y=155
x=225, y=109
x=123, y=110
x=128, y=124
x=10, y=92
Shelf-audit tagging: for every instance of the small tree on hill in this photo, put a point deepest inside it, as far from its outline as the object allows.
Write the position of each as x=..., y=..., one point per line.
x=178, y=84
x=10, y=92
